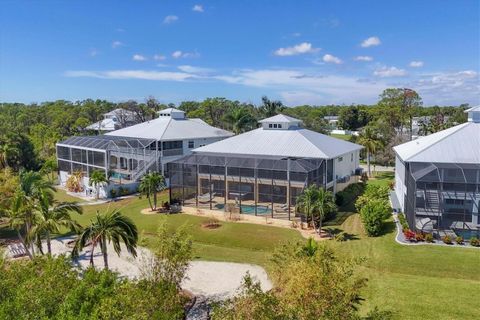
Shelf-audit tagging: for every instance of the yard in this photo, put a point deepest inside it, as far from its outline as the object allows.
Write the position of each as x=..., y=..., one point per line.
x=426, y=282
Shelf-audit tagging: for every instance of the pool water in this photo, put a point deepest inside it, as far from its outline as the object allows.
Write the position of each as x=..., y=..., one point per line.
x=246, y=209
x=467, y=234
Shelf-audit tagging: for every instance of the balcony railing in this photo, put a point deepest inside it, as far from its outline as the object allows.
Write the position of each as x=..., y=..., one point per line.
x=172, y=152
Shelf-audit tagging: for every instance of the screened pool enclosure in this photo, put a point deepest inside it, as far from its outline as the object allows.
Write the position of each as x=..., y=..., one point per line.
x=122, y=159
x=443, y=198
x=255, y=186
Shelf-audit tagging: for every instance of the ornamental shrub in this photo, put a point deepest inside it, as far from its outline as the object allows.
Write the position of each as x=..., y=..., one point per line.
x=447, y=239
x=429, y=238
x=409, y=235
x=373, y=214
x=474, y=242
x=459, y=240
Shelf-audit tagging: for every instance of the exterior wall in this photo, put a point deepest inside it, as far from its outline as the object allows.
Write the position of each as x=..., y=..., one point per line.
x=400, y=187
x=344, y=169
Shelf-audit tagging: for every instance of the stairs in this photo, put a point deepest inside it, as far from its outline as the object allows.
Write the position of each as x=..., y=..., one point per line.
x=432, y=200
x=151, y=163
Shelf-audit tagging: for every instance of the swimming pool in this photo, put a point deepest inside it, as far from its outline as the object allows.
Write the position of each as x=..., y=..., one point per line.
x=248, y=209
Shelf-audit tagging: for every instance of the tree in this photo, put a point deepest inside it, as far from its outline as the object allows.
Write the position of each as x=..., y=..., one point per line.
x=373, y=214
x=17, y=152
x=50, y=215
x=270, y=108
x=241, y=119
x=97, y=179
x=112, y=227
x=150, y=185
x=316, y=203
x=49, y=167
x=371, y=141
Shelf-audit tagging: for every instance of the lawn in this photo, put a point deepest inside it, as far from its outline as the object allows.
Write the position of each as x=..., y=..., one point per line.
x=415, y=282
x=341, y=136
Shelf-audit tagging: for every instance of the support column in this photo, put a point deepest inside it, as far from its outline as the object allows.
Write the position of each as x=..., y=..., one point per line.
x=210, y=184
x=198, y=186
x=255, y=187
x=271, y=193
x=288, y=187
x=226, y=187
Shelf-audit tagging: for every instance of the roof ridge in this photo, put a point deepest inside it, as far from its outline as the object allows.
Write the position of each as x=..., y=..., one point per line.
x=165, y=130
x=460, y=127
x=300, y=131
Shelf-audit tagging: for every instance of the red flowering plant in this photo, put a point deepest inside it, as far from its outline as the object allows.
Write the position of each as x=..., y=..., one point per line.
x=409, y=235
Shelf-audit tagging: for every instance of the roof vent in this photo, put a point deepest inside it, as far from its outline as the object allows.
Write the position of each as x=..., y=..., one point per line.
x=171, y=113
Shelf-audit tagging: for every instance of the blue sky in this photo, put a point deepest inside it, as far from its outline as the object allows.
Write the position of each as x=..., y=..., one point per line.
x=315, y=52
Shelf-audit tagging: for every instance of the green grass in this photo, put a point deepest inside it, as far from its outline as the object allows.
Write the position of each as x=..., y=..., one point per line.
x=382, y=178
x=341, y=136
x=415, y=282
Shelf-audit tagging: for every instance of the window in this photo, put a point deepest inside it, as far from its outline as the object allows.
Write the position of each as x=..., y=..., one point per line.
x=202, y=145
x=270, y=125
x=279, y=126
x=275, y=125
x=191, y=144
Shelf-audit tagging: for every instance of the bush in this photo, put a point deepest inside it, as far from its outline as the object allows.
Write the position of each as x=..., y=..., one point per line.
x=447, y=239
x=409, y=235
x=349, y=194
x=403, y=221
x=419, y=236
x=459, y=240
x=113, y=193
x=474, y=242
x=373, y=214
x=339, y=198
x=429, y=238
x=340, y=237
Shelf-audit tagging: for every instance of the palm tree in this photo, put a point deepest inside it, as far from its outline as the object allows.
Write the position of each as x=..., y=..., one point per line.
x=271, y=108
x=112, y=227
x=150, y=185
x=316, y=203
x=241, y=119
x=16, y=214
x=50, y=216
x=371, y=141
x=310, y=248
x=97, y=178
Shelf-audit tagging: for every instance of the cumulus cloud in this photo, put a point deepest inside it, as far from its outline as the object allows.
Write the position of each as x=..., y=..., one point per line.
x=371, y=42
x=198, y=8
x=363, y=58
x=416, y=64
x=385, y=72
x=180, y=54
x=159, y=57
x=133, y=74
x=116, y=44
x=170, y=19
x=331, y=59
x=302, y=48
x=139, y=57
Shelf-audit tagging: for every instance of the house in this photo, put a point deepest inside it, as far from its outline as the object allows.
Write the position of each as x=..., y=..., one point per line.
x=125, y=155
x=437, y=180
x=113, y=120
x=261, y=172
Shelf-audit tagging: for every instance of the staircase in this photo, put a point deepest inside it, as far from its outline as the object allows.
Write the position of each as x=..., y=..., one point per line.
x=432, y=201
x=148, y=165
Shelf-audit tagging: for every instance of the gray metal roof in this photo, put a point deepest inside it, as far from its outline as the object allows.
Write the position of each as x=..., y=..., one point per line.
x=168, y=128
x=104, y=142
x=280, y=118
x=459, y=144
x=294, y=142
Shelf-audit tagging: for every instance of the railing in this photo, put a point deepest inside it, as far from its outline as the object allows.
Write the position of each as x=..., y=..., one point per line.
x=172, y=152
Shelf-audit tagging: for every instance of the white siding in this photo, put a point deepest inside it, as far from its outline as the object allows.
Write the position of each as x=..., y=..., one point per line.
x=400, y=188
x=348, y=164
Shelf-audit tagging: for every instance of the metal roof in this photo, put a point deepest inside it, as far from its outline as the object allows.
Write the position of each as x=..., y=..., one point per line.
x=294, y=142
x=103, y=125
x=168, y=128
x=280, y=118
x=459, y=144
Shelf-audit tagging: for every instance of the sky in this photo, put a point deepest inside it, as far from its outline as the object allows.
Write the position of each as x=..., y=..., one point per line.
x=300, y=52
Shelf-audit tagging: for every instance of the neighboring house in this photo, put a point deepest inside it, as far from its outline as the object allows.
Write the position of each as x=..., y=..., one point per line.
x=437, y=180
x=332, y=121
x=261, y=172
x=127, y=154
x=114, y=120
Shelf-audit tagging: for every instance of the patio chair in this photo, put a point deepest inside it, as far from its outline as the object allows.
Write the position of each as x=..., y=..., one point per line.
x=206, y=196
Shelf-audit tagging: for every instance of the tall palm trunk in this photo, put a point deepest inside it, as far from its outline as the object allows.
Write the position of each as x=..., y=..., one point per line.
x=368, y=163
x=25, y=246
x=104, y=251
x=49, y=243
x=155, y=200
x=91, y=253
x=97, y=187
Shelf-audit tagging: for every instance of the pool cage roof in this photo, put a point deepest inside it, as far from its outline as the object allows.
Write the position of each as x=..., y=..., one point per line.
x=280, y=164
x=445, y=172
x=104, y=142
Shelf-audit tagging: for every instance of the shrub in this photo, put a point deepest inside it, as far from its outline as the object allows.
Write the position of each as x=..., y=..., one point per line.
x=459, y=240
x=419, y=236
x=409, y=235
x=364, y=177
x=339, y=198
x=75, y=182
x=373, y=213
x=474, y=242
x=340, y=237
x=429, y=238
x=403, y=221
x=447, y=239
x=113, y=193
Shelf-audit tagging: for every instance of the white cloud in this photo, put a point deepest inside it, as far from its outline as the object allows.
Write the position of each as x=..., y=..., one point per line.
x=370, y=42
x=385, y=72
x=363, y=58
x=170, y=19
x=139, y=57
x=116, y=44
x=198, y=8
x=304, y=47
x=93, y=52
x=331, y=59
x=416, y=64
x=159, y=57
x=133, y=74
x=192, y=69
x=180, y=54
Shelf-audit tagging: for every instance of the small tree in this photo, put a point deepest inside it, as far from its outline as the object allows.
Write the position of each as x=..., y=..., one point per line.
x=371, y=141
x=112, y=227
x=316, y=202
x=373, y=214
x=97, y=179
x=150, y=184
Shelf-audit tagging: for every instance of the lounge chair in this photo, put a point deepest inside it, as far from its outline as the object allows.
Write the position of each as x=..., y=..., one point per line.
x=206, y=196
